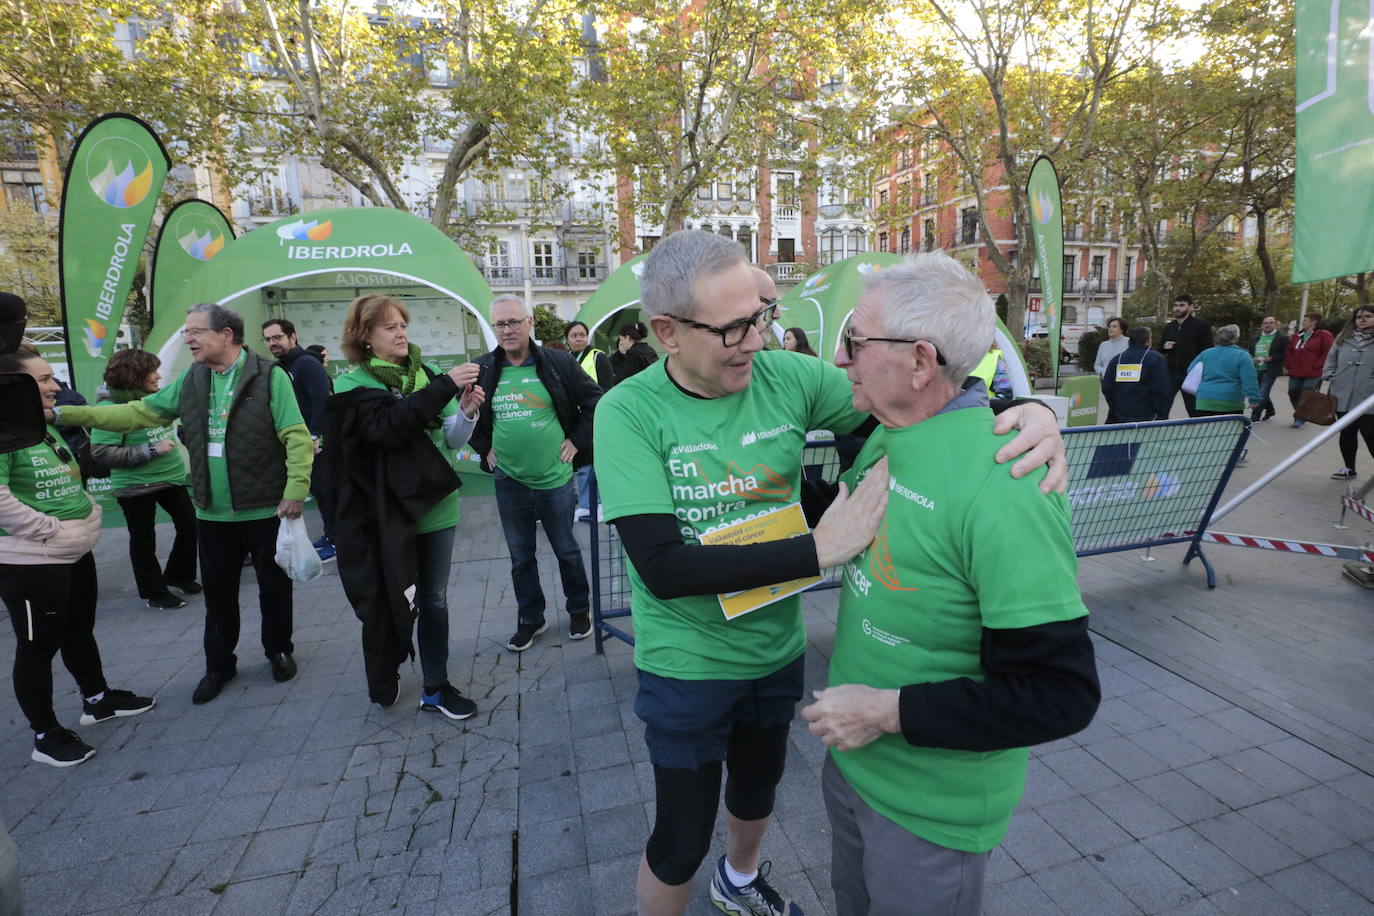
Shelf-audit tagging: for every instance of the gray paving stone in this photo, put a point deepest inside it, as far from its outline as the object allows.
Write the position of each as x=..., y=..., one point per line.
x=1181, y=797
x=307, y=804
x=1145, y=879
x=1133, y=811
x=1018, y=897
x=597, y=752
x=1308, y=760
x=616, y=832
x=1201, y=864
x=1353, y=868
x=1078, y=887
x=1084, y=825
x=232, y=817
x=1081, y=770
x=613, y=885
x=1034, y=844
x=1230, y=786
x=552, y=846
x=1268, y=771
x=1123, y=716
x=1170, y=747
x=1246, y=725
x=1296, y=829
x=274, y=852
x=1126, y=758
x=568, y=891
x=607, y=788
x=1243, y=841
x=1315, y=890
x=1044, y=787
x=169, y=828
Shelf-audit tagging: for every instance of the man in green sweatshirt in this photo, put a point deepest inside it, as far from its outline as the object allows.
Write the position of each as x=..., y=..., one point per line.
x=251, y=455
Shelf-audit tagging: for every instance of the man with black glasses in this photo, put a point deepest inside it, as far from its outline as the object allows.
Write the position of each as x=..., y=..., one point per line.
x=533, y=431
x=704, y=489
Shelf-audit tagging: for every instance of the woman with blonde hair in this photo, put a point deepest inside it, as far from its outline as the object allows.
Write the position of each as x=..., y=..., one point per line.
x=391, y=433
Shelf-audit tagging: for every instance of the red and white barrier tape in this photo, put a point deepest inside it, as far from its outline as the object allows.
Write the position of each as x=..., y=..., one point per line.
x=1359, y=508
x=1317, y=550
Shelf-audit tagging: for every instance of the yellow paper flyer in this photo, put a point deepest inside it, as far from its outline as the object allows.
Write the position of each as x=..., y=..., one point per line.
x=787, y=522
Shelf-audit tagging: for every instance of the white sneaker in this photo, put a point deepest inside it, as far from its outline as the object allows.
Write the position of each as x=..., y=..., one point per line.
x=600, y=514
x=581, y=515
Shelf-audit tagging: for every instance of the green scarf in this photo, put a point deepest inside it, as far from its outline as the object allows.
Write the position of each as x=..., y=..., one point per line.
x=402, y=379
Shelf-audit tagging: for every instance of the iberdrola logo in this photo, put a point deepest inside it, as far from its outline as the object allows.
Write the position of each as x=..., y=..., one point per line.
x=1160, y=485
x=1077, y=400
x=94, y=338
x=199, y=235
x=1043, y=207
x=815, y=280
x=123, y=173
x=301, y=231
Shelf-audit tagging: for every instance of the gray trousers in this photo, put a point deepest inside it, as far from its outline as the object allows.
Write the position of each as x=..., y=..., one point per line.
x=880, y=869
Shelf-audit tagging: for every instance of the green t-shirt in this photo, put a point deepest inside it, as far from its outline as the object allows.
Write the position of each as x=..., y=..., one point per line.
x=1262, y=346
x=713, y=462
x=526, y=434
x=963, y=546
x=169, y=468
x=285, y=412
x=443, y=514
x=41, y=480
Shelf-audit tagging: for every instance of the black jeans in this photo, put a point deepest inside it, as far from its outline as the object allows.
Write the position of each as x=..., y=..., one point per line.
x=52, y=608
x=1189, y=400
x=222, y=549
x=140, y=515
x=1350, y=445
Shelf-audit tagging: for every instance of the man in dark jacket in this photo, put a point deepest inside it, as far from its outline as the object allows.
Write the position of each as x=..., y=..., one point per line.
x=1137, y=384
x=534, y=429
x=1268, y=347
x=1184, y=338
x=311, y=384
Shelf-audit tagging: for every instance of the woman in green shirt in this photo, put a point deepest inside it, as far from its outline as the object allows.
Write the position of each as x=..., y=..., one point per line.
x=148, y=469
x=48, y=525
x=441, y=407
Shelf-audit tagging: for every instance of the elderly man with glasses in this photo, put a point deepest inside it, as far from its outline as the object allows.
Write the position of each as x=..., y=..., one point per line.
x=533, y=431
x=961, y=637
x=700, y=471
x=251, y=456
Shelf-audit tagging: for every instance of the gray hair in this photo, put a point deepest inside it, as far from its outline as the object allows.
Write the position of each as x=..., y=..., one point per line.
x=1227, y=335
x=671, y=269
x=220, y=318
x=931, y=296
x=509, y=297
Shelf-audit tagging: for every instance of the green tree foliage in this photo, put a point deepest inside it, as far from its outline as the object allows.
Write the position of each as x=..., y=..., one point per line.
x=28, y=266
x=547, y=325
x=691, y=93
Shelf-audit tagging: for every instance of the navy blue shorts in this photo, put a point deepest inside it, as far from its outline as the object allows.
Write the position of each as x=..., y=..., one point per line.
x=689, y=722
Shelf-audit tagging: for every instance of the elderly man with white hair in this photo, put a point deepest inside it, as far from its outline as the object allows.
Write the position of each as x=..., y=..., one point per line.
x=961, y=637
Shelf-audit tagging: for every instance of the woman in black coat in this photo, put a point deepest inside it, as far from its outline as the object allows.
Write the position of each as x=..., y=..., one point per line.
x=633, y=355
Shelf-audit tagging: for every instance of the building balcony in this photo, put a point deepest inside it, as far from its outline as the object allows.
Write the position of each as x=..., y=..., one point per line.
x=786, y=214
x=495, y=209
x=583, y=275
x=787, y=270
x=725, y=207
x=271, y=206
x=857, y=209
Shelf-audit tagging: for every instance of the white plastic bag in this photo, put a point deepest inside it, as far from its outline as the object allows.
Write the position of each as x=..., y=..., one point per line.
x=1193, y=380
x=295, y=554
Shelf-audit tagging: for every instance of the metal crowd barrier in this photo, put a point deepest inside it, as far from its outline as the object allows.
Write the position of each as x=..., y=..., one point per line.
x=1131, y=486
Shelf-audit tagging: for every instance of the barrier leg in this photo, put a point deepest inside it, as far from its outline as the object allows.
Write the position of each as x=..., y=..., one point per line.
x=1195, y=550
x=593, y=499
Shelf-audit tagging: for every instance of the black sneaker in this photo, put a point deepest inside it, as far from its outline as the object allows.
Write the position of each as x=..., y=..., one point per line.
x=388, y=693
x=757, y=898
x=60, y=747
x=116, y=704
x=524, y=635
x=1345, y=474
x=580, y=627
x=448, y=701
x=190, y=587
x=167, y=602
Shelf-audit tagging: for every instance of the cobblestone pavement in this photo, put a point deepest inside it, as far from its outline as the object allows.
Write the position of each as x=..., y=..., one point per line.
x=1228, y=771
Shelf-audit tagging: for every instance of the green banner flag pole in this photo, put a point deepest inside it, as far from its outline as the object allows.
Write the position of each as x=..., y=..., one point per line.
x=1047, y=229
x=1333, y=156
x=193, y=232
x=112, y=184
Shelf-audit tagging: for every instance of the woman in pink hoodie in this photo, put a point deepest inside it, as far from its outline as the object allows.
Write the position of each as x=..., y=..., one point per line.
x=48, y=525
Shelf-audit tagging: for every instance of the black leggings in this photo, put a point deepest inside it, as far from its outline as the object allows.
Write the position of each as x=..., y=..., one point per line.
x=1350, y=446
x=687, y=800
x=52, y=608
x=140, y=515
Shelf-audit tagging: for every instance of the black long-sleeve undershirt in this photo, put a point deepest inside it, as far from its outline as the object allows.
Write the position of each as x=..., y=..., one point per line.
x=1041, y=685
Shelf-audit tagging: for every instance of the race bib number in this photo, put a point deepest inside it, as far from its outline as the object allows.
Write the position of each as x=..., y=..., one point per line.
x=1128, y=372
x=215, y=450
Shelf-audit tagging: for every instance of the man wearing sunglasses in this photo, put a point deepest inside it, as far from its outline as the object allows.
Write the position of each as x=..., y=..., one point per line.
x=956, y=647
x=710, y=437
x=251, y=455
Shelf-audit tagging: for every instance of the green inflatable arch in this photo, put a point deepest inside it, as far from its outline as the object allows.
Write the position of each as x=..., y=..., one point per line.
x=309, y=267
x=821, y=304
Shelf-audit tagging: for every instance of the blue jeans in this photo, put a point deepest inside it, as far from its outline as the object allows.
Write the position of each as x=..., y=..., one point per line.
x=435, y=554
x=584, y=477
x=1296, y=386
x=519, y=507
x=1265, y=406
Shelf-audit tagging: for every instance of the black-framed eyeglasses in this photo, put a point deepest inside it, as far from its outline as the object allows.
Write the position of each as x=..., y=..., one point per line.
x=853, y=341
x=511, y=325
x=733, y=334
x=767, y=301
x=60, y=450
